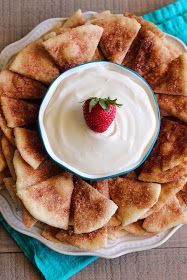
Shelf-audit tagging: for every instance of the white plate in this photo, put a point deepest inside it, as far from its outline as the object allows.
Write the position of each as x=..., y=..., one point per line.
x=12, y=215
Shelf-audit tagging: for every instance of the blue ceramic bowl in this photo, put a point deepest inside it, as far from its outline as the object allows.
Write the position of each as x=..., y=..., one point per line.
x=51, y=90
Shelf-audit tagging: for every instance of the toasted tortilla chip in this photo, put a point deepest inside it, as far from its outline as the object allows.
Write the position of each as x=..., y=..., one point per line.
x=185, y=188
x=173, y=147
x=3, y=163
x=152, y=168
x=92, y=210
x=146, y=25
x=136, y=229
x=168, y=191
x=18, y=112
x=14, y=85
x=130, y=57
x=56, y=30
x=27, y=176
x=49, y=233
x=102, y=187
x=172, y=105
x=8, y=152
x=98, y=55
x=118, y=35
x=114, y=221
x=115, y=232
x=169, y=216
x=8, y=132
x=75, y=46
x=153, y=58
x=134, y=198
x=34, y=62
x=102, y=14
x=182, y=197
x=87, y=241
x=27, y=219
x=130, y=175
x=4, y=174
x=175, y=80
x=29, y=145
x=49, y=201
x=75, y=20
x=11, y=188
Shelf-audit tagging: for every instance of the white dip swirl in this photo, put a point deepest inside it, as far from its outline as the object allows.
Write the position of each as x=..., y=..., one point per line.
x=126, y=141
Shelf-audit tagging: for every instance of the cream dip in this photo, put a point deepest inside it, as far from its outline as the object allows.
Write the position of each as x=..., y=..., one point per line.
x=126, y=141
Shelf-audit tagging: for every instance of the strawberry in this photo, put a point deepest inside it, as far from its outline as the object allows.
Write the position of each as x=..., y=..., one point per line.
x=99, y=113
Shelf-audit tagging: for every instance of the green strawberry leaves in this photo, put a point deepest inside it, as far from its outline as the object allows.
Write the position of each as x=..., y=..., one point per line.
x=93, y=102
x=103, y=102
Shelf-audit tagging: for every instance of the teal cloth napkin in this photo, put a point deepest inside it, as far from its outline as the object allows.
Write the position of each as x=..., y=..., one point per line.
x=54, y=266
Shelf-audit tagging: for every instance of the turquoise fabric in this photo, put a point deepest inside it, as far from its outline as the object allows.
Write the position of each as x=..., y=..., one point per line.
x=54, y=266
x=171, y=19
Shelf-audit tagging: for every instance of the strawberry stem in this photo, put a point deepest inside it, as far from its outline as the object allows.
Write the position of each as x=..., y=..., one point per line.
x=103, y=102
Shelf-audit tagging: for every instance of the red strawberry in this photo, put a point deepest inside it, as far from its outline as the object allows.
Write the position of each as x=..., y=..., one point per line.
x=99, y=113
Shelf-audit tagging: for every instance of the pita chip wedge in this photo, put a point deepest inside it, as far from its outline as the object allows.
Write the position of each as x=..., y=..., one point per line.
x=172, y=105
x=153, y=58
x=4, y=174
x=175, y=80
x=115, y=232
x=27, y=176
x=98, y=55
x=114, y=228
x=118, y=35
x=50, y=233
x=173, y=147
x=136, y=229
x=19, y=112
x=130, y=175
x=129, y=60
x=102, y=14
x=167, y=217
x=152, y=168
x=8, y=151
x=49, y=201
x=14, y=85
x=134, y=198
x=27, y=219
x=29, y=145
x=8, y=132
x=182, y=197
x=11, y=188
x=75, y=46
x=102, y=187
x=185, y=188
x=34, y=62
x=87, y=241
x=114, y=221
x=168, y=190
x=146, y=25
x=91, y=209
x=75, y=20
x=3, y=163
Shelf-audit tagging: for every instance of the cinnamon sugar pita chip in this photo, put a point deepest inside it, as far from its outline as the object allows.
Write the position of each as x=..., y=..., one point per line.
x=173, y=105
x=19, y=112
x=118, y=35
x=34, y=62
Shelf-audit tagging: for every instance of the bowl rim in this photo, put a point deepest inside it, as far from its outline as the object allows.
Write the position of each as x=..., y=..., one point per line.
x=62, y=164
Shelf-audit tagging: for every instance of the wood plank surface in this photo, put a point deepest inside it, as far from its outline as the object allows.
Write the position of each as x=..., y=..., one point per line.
x=168, y=262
